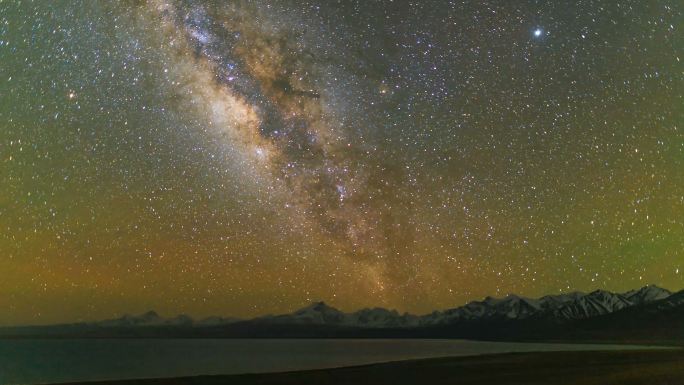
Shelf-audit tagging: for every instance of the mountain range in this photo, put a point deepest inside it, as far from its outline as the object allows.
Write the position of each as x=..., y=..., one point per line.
x=647, y=314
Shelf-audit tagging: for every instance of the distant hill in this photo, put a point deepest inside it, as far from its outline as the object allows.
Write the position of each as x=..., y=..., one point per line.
x=649, y=314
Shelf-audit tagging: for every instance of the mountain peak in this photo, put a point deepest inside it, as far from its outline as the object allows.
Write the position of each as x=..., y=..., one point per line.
x=491, y=300
x=653, y=287
x=600, y=292
x=647, y=293
x=316, y=306
x=150, y=314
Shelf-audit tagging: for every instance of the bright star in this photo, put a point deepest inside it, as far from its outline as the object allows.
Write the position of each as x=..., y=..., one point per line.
x=537, y=32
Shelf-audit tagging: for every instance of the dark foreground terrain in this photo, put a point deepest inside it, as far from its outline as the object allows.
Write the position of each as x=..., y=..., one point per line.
x=559, y=368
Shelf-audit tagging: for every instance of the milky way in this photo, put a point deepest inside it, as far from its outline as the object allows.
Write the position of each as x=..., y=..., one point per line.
x=261, y=88
x=245, y=157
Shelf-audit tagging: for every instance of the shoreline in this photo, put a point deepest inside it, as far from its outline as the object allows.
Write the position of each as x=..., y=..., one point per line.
x=635, y=367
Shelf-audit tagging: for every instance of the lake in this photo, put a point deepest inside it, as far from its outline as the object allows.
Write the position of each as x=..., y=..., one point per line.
x=52, y=361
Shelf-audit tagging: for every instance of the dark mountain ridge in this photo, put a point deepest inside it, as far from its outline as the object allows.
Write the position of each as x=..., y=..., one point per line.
x=650, y=314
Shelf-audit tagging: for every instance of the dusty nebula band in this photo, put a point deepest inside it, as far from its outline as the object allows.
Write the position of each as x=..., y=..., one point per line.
x=263, y=94
x=261, y=87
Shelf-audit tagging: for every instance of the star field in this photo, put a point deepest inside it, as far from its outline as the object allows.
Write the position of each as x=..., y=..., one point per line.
x=247, y=157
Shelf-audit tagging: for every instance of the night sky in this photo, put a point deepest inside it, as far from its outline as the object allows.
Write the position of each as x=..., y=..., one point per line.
x=240, y=158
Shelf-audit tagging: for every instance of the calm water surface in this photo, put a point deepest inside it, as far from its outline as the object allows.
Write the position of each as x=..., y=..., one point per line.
x=51, y=361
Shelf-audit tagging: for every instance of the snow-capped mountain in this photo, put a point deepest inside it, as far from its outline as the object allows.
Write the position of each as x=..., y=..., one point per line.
x=510, y=307
x=647, y=294
x=550, y=303
x=645, y=313
x=673, y=301
x=563, y=307
x=596, y=303
x=317, y=313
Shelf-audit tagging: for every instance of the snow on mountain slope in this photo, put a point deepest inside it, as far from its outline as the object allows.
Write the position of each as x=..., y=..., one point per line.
x=321, y=314
x=672, y=301
x=563, y=307
x=552, y=302
x=647, y=294
x=596, y=303
x=511, y=307
x=317, y=313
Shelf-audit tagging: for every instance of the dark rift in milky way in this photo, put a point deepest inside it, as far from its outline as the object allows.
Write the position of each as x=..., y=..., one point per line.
x=355, y=198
